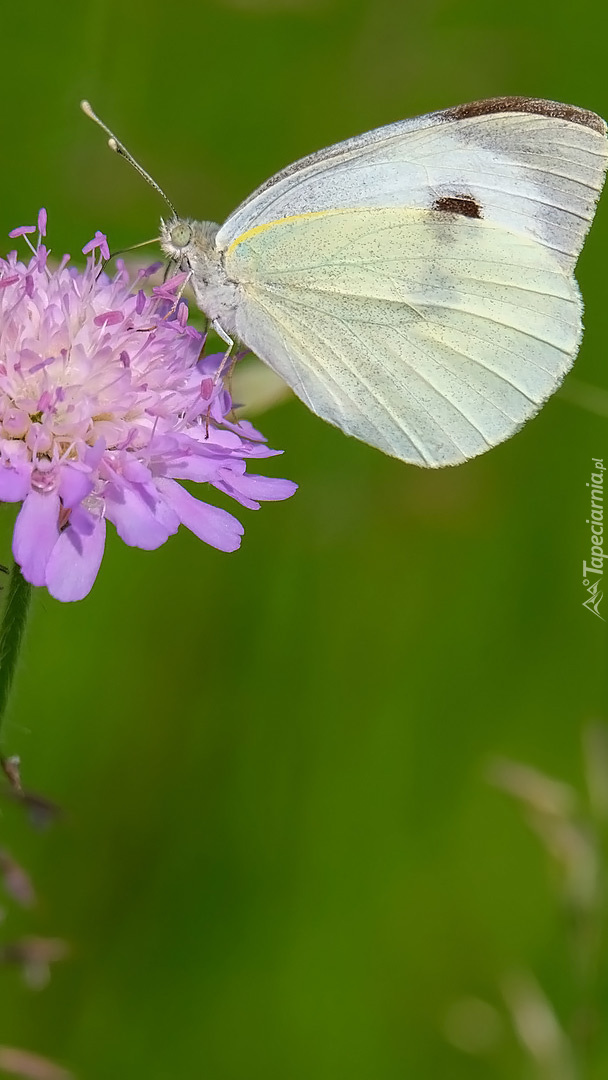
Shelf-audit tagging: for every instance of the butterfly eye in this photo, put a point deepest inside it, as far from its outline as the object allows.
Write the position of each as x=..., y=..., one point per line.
x=181, y=234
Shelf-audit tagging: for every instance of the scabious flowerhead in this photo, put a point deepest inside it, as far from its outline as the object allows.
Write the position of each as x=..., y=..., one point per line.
x=105, y=404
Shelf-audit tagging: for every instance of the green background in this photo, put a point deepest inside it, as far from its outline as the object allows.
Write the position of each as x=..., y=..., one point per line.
x=279, y=856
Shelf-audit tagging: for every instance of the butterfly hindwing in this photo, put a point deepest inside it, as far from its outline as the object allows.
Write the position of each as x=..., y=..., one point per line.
x=430, y=335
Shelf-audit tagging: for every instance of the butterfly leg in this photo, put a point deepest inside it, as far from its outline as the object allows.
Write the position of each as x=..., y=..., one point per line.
x=221, y=333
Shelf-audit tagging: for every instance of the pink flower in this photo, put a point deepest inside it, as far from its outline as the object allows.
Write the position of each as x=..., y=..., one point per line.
x=105, y=405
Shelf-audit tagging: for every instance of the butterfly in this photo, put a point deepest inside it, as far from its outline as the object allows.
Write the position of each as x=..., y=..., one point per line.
x=413, y=285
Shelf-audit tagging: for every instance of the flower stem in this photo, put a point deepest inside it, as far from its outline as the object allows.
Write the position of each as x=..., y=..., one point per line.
x=11, y=632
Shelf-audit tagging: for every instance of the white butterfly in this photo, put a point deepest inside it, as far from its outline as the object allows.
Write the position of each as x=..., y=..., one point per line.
x=414, y=285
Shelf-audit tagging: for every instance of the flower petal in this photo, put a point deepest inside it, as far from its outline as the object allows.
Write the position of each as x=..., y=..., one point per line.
x=74, y=485
x=75, y=560
x=201, y=469
x=94, y=454
x=133, y=514
x=209, y=523
x=36, y=533
x=14, y=483
x=135, y=471
x=249, y=486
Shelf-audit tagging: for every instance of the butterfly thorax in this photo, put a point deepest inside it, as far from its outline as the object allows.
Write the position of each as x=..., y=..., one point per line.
x=191, y=244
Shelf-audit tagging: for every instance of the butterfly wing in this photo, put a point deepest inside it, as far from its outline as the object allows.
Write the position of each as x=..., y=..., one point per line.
x=532, y=166
x=430, y=335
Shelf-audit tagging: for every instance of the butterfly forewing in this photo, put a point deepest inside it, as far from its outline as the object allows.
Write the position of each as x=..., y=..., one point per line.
x=533, y=166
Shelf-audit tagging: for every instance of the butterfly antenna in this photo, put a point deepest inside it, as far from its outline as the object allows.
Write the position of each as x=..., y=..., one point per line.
x=118, y=148
x=133, y=247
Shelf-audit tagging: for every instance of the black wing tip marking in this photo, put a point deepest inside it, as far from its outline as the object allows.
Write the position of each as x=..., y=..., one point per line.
x=537, y=106
x=465, y=205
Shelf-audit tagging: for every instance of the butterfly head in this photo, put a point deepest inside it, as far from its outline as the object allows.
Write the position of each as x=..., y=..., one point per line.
x=176, y=239
x=186, y=241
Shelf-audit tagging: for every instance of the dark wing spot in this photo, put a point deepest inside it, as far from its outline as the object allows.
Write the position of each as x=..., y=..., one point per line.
x=458, y=204
x=537, y=106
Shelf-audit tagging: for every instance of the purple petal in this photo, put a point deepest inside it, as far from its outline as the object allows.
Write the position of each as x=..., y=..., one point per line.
x=266, y=488
x=74, y=485
x=209, y=364
x=14, y=483
x=76, y=557
x=202, y=470
x=167, y=516
x=209, y=523
x=94, y=454
x=42, y=222
x=135, y=471
x=250, y=504
x=260, y=450
x=213, y=438
x=245, y=429
x=36, y=533
x=135, y=519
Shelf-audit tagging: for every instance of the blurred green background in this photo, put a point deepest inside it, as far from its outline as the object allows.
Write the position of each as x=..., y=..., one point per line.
x=279, y=855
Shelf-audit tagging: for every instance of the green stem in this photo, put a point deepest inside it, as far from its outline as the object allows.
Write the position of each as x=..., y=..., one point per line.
x=12, y=627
